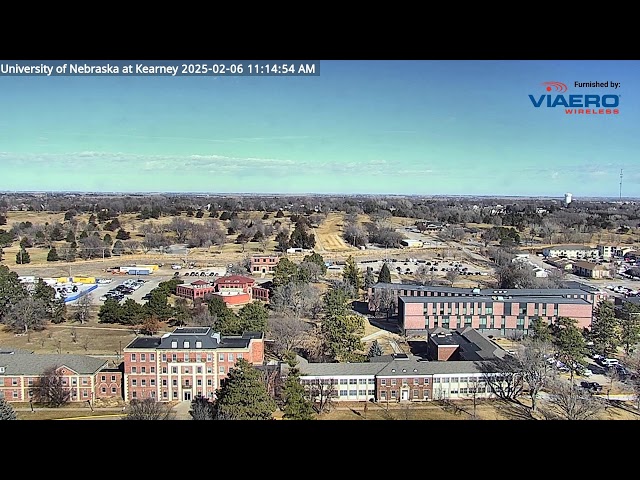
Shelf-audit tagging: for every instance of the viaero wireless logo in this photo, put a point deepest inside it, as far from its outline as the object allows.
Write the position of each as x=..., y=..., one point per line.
x=577, y=104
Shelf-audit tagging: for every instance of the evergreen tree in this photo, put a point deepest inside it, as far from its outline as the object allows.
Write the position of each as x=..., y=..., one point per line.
x=570, y=344
x=110, y=311
x=132, y=313
x=83, y=234
x=318, y=260
x=539, y=330
x=385, y=274
x=11, y=290
x=23, y=257
x=342, y=337
x=6, y=410
x=56, y=234
x=375, y=350
x=158, y=306
x=629, y=327
x=243, y=395
x=605, y=329
x=285, y=272
x=296, y=405
x=25, y=243
x=118, y=248
x=352, y=274
x=55, y=308
x=71, y=237
x=253, y=318
x=369, y=278
x=52, y=256
x=107, y=240
x=201, y=408
x=123, y=235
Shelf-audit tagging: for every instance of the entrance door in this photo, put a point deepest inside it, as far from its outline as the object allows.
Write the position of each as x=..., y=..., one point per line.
x=405, y=395
x=187, y=394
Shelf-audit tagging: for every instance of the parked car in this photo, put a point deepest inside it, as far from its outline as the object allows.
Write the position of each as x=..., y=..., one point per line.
x=593, y=387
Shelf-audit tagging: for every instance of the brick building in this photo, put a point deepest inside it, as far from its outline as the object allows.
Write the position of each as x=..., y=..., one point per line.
x=380, y=293
x=238, y=290
x=499, y=315
x=189, y=361
x=85, y=377
x=197, y=289
x=263, y=264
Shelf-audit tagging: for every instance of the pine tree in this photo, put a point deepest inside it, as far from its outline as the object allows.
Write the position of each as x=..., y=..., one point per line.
x=6, y=410
x=385, y=274
x=52, y=256
x=375, y=350
x=352, y=274
x=23, y=257
x=605, y=329
x=243, y=395
x=71, y=237
x=296, y=406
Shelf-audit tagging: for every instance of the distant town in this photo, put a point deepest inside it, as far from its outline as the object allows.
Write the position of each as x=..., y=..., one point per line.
x=159, y=306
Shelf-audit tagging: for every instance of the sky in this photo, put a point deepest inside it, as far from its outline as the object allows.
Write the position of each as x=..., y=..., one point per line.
x=422, y=127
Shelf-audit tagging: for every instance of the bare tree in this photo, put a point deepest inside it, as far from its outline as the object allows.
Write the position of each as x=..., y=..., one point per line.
x=423, y=274
x=181, y=227
x=287, y=333
x=452, y=276
x=569, y=402
x=82, y=308
x=537, y=372
x=50, y=388
x=296, y=299
x=148, y=409
x=27, y=313
x=321, y=393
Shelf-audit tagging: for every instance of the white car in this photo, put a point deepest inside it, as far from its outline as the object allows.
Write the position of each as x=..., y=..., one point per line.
x=176, y=267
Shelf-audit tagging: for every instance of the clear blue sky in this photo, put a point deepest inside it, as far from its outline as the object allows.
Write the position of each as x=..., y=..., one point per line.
x=398, y=127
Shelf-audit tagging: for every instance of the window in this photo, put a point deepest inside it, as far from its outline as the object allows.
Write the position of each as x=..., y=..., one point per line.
x=174, y=382
x=186, y=357
x=383, y=382
x=416, y=381
x=343, y=393
x=175, y=394
x=436, y=380
x=209, y=357
x=371, y=392
x=353, y=393
x=363, y=381
x=152, y=357
x=239, y=356
x=393, y=381
x=174, y=344
x=343, y=381
x=143, y=357
x=454, y=379
x=164, y=369
x=383, y=395
x=174, y=357
x=85, y=381
x=134, y=394
x=415, y=393
x=426, y=381
x=143, y=382
x=134, y=370
x=186, y=344
x=362, y=392
x=153, y=369
x=198, y=369
x=164, y=357
x=74, y=381
x=230, y=357
x=143, y=369
x=425, y=394
x=371, y=381
x=393, y=394
x=103, y=389
x=445, y=380
x=464, y=390
x=14, y=382
x=209, y=382
x=221, y=369
x=134, y=382
x=221, y=357
x=198, y=344
x=133, y=357
x=209, y=370
x=353, y=381
x=174, y=369
x=104, y=378
x=152, y=382
x=464, y=379
x=454, y=390
x=199, y=382
x=113, y=390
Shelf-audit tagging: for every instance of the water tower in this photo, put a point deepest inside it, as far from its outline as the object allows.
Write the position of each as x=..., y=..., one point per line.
x=567, y=199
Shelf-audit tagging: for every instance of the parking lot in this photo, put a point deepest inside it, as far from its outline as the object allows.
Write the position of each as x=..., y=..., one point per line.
x=151, y=282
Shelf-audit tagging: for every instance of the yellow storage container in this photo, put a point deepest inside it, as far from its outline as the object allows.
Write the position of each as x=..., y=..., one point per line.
x=84, y=279
x=152, y=267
